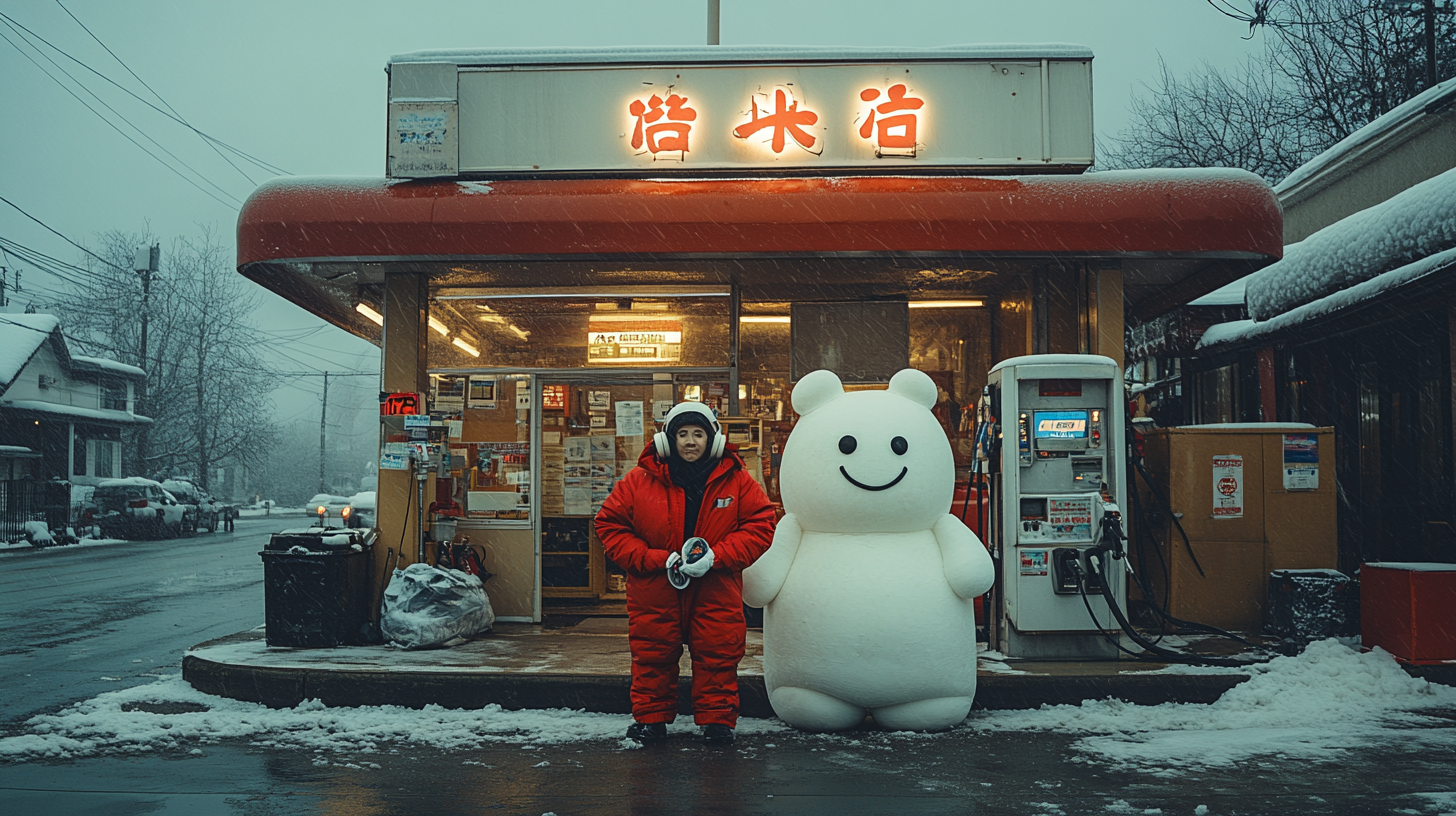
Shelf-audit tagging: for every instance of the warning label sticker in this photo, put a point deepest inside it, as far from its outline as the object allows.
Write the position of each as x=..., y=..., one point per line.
x=1033, y=562
x=1228, y=486
x=1070, y=517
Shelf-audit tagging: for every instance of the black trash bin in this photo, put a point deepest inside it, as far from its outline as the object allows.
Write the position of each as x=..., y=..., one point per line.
x=1313, y=604
x=316, y=588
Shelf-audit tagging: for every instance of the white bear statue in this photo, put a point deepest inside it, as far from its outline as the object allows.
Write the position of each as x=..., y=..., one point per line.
x=868, y=590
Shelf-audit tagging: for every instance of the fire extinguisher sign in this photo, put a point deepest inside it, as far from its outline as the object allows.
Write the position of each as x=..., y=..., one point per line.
x=1228, y=486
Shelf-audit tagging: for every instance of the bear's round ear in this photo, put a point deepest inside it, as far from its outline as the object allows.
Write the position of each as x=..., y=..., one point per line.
x=816, y=388
x=913, y=385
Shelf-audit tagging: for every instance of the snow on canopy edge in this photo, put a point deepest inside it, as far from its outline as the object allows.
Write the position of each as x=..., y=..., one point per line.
x=636, y=55
x=1238, y=331
x=1377, y=127
x=1231, y=294
x=1418, y=221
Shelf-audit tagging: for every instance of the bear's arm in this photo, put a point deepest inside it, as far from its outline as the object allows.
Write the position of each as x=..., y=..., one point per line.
x=763, y=580
x=967, y=565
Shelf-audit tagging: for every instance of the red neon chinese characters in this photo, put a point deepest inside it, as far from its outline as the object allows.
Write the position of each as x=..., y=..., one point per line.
x=658, y=135
x=883, y=128
x=786, y=119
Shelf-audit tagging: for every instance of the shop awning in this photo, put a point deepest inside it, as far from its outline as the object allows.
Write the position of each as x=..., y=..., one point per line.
x=1177, y=233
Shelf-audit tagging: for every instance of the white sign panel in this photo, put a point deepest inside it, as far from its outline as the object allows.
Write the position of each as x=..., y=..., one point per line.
x=1228, y=486
x=424, y=139
x=1015, y=112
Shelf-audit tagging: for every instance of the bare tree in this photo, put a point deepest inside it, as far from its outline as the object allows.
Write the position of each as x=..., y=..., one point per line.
x=206, y=383
x=1329, y=68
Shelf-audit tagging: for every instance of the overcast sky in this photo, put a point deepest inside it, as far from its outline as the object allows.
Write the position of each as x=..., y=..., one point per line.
x=300, y=85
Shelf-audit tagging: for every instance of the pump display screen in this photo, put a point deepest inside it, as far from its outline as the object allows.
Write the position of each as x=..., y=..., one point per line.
x=1060, y=424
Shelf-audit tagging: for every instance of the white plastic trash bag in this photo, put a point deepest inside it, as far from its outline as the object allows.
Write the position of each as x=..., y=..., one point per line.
x=428, y=606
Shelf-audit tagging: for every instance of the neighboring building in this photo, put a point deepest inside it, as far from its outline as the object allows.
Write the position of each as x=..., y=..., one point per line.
x=62, y=415
x=1353, y=328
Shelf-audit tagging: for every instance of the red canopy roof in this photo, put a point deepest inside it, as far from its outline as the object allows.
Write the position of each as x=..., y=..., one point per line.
x=1170, y=213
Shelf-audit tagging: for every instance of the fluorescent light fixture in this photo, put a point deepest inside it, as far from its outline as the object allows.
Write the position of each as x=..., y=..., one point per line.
x=946, y=304
x=625, y=317
x=518, y=331
x=438, y=326
x=466, y=347
x=764, y=319
x=365, y=309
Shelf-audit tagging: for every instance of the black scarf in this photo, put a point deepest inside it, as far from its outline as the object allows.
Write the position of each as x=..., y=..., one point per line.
x=692, y=477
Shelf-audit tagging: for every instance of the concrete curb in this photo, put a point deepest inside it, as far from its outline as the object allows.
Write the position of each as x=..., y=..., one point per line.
x=608, y=694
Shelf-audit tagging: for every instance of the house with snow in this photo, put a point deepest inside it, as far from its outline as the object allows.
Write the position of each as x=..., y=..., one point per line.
x=62, y=415
x=1354, y=328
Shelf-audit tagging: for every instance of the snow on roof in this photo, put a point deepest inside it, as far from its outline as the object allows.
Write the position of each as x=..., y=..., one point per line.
x=98, y=414
x=1437, y=97
x=1238, y=331
x=1417, y=222
x=1228, y=295
x=20, y=336
x=130, y=481
x=107, y=365
x=650, y=54
x=17, y=451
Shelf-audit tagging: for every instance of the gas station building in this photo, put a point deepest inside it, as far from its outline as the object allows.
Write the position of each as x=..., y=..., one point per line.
x=566, y=242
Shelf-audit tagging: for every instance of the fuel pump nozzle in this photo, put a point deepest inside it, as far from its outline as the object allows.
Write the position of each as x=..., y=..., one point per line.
x=1111, y=536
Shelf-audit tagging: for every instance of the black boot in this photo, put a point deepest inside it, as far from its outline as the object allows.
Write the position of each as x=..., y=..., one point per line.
x=647, y=733
x=718, y=734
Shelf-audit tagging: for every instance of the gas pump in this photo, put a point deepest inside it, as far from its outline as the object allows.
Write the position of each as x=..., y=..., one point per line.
x=1056, y=461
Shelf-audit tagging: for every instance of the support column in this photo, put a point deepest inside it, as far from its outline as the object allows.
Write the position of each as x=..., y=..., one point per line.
x=1110, y=341
x=1268, y=397
x=404, y=363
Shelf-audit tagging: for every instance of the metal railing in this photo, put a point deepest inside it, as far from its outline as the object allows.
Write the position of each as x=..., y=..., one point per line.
x=23, y=500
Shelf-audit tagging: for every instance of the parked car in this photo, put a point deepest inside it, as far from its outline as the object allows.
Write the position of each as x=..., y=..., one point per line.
x=209, y=510
x=361, y=510
x=140, y=508
x=332, y=505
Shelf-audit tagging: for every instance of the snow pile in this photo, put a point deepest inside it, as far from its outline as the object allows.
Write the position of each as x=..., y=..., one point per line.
x=1310, y=707
x=1418, y=222
x=125, y=721
x=37, y=534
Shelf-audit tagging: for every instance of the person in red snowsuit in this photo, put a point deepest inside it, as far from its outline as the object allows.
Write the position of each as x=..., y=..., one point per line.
x=688, y=484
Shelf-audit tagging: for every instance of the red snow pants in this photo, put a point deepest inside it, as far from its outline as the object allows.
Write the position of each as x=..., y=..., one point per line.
x=714, y=633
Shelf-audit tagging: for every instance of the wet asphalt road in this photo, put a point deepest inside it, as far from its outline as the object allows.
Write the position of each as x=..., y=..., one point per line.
x=75, y=622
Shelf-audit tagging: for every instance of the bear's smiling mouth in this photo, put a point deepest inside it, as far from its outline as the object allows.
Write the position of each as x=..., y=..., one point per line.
x=863, y=486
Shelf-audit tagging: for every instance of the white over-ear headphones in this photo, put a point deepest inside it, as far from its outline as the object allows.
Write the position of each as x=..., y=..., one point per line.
x=664, y=445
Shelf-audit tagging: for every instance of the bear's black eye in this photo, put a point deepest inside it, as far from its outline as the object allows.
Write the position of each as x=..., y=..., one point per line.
x=898, y=445
x=847, y=445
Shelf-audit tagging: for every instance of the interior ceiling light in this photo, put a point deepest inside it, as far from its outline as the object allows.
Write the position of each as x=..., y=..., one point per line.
x=466, y=347
x=438, y=326
x=365, y=309
x=764, y=319
x=518, y=331
x=623, y=317
x=946, y=304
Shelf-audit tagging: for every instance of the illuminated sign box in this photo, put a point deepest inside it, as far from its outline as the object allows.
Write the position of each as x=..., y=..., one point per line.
x=648, y=342
x=696, y=109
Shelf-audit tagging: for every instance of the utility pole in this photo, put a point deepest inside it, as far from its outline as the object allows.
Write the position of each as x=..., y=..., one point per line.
x=146, y=261
x=3, y=273
x=713, y=15
x=1430, y=10
x=323, y=419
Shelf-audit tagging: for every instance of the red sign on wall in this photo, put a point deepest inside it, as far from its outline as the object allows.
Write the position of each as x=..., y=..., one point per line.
x=401, y=403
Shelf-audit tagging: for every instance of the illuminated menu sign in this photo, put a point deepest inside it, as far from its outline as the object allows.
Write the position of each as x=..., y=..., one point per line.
x=653, y=342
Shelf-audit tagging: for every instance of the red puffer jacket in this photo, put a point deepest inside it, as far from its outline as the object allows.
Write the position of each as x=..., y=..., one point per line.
x=640, y=524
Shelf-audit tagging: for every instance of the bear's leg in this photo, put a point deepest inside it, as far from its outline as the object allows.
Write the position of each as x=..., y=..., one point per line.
x=814, y=710
x=923, y=715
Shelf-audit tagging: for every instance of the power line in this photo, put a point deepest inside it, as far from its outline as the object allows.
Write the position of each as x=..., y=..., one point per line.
x=113, y=126
x=175, y=118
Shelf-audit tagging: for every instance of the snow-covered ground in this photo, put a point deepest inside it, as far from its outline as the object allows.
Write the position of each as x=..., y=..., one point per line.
x=85, y=542
x=1314, y=707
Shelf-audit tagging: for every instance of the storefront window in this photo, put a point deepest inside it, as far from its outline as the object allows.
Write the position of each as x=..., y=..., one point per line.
x=488, y=427
x=627, y=328
x=950, y=341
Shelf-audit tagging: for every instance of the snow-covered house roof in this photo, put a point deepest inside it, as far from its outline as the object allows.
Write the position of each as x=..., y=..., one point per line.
x=81, y=363
x=1435, y=99
x=21, y=336
x=1404, y=240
